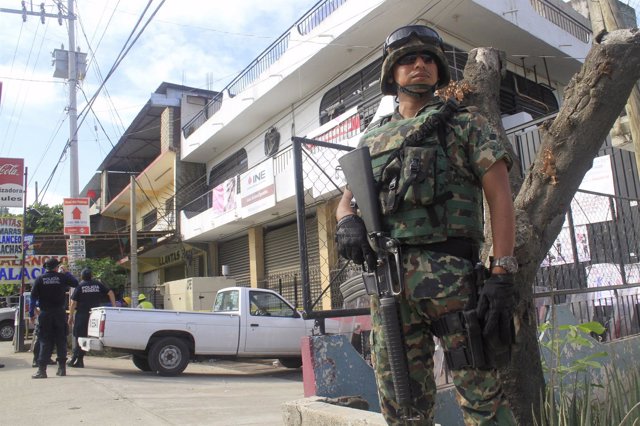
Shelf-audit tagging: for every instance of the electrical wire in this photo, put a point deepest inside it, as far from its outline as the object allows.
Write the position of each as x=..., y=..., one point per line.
x=124, y=51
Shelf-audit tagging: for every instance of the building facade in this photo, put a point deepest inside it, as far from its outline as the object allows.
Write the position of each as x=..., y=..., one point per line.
x=320, y=79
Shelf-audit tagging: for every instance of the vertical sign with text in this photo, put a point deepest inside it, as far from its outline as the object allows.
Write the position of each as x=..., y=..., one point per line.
x=11, y=182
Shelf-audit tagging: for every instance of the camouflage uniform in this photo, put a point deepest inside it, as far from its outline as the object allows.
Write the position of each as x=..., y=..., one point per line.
x=437, y=283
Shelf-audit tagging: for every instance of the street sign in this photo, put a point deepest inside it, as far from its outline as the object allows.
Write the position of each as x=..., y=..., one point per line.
x=76, y=216
x=76, y=250
x=76, y=246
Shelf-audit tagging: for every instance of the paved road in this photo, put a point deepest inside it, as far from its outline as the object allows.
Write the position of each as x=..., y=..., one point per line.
x=112, y=391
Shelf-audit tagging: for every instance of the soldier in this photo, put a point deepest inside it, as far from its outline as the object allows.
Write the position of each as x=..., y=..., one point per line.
x=431, y=187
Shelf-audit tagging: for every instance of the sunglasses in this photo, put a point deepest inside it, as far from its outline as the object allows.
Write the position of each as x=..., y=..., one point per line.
x=411, y=59
x=400, y=36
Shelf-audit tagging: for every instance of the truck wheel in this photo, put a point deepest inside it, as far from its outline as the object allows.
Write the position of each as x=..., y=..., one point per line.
x=168, y=356
x=6, y=330
x=141, y=362
x=291, y=362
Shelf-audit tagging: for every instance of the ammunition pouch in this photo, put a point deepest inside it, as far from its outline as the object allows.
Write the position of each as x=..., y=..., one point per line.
x=471, y=353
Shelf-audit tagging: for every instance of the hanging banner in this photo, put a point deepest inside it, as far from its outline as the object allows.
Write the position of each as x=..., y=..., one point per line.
x=33, y=268
x=11, y=182
x=257, y=189
x=223, y=196
x=11, y=244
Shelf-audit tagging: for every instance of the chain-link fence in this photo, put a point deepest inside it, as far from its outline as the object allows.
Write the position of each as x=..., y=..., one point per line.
x=318, y=188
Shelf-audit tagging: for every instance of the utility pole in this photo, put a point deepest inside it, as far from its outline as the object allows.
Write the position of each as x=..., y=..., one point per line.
x=73, y=110
x=133, y=257
x=71, y=75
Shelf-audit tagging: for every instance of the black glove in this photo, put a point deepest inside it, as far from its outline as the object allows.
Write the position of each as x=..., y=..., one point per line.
x=495, y=307
x=351, y=237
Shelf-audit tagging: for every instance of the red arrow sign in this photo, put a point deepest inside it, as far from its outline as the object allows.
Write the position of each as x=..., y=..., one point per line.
x=76, y=213
x=76, y=216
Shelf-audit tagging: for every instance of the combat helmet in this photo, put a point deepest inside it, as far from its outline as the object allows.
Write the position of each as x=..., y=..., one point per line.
x=411, y=39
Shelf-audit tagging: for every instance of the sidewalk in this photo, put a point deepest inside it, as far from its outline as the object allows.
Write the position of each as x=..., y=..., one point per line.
x=111, y=391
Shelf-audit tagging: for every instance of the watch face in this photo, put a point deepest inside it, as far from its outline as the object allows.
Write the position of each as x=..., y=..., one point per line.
x=509, y=263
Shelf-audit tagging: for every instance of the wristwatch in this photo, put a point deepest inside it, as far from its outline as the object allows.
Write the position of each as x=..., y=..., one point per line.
x=508, y=263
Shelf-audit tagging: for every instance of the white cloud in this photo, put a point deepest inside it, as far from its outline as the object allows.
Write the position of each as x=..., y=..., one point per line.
x=189, y=42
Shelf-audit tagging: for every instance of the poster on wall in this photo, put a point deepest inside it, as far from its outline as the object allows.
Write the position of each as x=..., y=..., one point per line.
x=593, y=208
x=257, y=189
x=11, y=182
x=323, y=173
x=223, y=196
x=603, y=275
x=561, y=252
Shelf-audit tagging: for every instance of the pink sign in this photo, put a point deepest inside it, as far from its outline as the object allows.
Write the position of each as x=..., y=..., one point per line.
x=11, y=182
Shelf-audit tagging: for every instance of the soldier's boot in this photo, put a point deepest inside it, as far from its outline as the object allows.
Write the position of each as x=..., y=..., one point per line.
x=80, y=362
x=62, y=368
x=72, y=360
x=41, y=373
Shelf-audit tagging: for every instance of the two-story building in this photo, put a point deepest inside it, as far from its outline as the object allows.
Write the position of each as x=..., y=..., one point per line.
x=149, y=151
x=320, y=79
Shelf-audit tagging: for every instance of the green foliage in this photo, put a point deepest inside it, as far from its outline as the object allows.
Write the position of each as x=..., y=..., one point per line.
x=583, y=402
x=106, y=270
x=46, y=220
x=572, y=337
x=9, y=289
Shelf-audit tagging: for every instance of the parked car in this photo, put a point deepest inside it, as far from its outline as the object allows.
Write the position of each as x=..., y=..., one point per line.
x=7, y=321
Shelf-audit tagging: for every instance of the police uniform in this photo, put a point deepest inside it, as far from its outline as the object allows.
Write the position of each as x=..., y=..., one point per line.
x=50, y=290
x=88, y=295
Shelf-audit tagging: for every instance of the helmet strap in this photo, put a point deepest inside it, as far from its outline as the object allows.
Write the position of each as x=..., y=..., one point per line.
x=425, y=90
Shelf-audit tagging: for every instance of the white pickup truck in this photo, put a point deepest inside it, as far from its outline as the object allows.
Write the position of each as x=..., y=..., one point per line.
x=245, y=323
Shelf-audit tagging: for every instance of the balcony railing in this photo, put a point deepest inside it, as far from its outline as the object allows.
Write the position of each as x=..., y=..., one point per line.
x=318, y=14
x=271, y=54
x=560, y=18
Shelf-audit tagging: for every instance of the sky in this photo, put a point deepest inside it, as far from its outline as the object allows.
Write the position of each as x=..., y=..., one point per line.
x=202, y=44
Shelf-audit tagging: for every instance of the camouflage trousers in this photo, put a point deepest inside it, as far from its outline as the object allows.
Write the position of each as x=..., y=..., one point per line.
x=435, y=284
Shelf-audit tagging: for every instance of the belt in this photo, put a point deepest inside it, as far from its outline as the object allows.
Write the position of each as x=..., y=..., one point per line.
x=465, y=248
x=52, y=309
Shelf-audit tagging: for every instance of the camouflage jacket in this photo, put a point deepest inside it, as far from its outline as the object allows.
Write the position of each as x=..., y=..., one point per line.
x=430, y=191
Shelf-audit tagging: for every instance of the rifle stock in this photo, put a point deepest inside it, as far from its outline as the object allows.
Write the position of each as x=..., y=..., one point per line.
x=356, y=166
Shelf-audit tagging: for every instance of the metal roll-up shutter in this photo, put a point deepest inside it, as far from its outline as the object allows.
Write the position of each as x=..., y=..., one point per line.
x=282, y=258
x=235, y=253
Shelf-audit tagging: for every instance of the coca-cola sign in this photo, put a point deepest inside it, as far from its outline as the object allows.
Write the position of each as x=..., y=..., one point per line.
x=11, y=182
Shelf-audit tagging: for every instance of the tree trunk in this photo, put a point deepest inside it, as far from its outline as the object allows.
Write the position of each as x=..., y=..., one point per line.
x=593, y=100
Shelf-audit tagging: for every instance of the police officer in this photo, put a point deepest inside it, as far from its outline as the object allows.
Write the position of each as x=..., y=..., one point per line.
x=431, y=181
x=86, y=296
x=143, y=303
x=50, y=291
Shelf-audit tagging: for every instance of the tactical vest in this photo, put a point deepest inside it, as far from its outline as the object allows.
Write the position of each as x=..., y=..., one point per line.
x=423, y=198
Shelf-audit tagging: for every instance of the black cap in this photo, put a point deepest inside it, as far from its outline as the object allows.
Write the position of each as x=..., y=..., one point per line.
x=86, y=274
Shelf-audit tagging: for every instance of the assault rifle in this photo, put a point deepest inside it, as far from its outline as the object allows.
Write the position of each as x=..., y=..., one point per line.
x=383, y=276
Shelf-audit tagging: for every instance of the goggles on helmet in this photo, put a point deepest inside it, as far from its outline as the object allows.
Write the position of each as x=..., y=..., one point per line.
x=400, y=36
